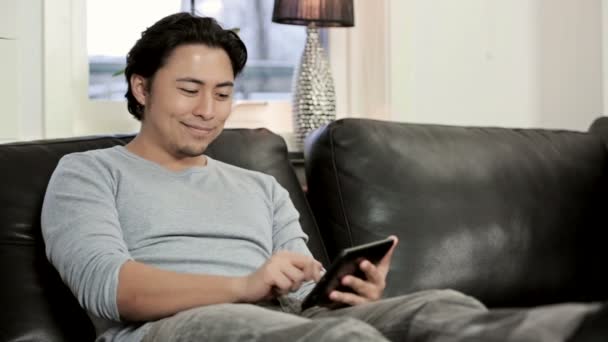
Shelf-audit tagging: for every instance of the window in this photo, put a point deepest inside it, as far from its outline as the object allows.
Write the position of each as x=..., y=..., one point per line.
x=274, y=49
x=358, y=59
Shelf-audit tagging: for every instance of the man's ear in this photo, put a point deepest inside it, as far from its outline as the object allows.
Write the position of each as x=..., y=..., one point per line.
x=139, y=88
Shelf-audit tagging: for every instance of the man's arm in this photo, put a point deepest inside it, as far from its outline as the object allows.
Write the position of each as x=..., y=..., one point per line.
x=148, y=293
x=288, y=234
x=82, y=233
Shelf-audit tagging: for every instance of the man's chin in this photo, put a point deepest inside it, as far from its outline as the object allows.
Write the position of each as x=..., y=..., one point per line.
x=193, y=151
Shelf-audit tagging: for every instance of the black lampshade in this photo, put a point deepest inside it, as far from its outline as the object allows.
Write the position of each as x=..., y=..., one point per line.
x=319, y=12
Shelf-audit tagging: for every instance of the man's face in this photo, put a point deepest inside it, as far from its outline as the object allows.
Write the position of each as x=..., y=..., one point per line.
x=189, y=100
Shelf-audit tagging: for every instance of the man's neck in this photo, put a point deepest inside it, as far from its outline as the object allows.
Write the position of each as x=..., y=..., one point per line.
x=157, y=154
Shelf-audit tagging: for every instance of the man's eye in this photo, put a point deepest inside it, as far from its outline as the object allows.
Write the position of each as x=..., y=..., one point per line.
x=189, y=91
x=223, y=96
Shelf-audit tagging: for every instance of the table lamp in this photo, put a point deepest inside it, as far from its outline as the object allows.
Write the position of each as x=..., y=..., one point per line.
x=314, y=98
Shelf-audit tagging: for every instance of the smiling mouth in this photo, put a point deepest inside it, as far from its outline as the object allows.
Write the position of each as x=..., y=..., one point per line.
x=199, y=129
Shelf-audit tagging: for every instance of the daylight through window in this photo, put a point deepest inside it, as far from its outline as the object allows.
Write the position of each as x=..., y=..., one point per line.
x=274, y=49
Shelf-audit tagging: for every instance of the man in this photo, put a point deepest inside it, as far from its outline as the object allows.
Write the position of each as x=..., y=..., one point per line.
x=159, y=242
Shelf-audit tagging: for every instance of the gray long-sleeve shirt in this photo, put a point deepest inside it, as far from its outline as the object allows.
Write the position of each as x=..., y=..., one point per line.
x=104, y=207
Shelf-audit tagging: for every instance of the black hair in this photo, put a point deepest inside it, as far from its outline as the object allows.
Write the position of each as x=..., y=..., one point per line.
x=158, y=41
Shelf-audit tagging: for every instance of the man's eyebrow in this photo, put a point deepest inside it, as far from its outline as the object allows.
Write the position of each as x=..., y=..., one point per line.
x=197, y=81
x=190, y=79
x=225, y=84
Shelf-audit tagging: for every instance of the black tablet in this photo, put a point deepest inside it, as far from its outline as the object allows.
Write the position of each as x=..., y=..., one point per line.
x=347, y=263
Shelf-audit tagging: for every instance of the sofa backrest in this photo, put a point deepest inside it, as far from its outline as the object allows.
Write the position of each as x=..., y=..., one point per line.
x=36, y=306
x=515, y=217
x=599, y=127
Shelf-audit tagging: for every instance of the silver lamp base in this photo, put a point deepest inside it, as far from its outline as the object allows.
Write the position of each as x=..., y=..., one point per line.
x=314, y=98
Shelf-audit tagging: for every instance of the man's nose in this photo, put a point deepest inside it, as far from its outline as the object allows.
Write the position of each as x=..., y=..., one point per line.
x=204, y=107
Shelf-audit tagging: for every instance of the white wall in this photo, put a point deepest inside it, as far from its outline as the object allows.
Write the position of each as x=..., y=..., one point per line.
x=605, y=53
x=29, y=27
x=520, y=63
x=8, y=62
x=21, y=70
x=359, y=58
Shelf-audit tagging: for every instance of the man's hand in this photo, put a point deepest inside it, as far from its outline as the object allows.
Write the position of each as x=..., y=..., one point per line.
x=282, y=273
x=370, y=289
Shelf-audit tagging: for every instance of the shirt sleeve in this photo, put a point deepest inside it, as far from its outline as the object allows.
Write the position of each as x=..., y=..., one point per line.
x=288, y=234
x=286, y=230
x=82, y=233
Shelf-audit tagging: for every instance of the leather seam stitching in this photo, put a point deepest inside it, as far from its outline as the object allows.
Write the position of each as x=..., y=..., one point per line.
x=338, y=184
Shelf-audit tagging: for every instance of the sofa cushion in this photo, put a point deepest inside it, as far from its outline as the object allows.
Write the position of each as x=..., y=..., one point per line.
x=511, y=216
x=36, y=305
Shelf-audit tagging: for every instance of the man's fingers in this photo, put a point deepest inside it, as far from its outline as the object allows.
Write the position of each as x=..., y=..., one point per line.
x=313, y=271
x=318, y=273
x=301, y=261
x=372, y=273
x=311, y=267
x=281, y=282
x=347, y=298
x=386, y=260
x=295, y=275
x=361, y=287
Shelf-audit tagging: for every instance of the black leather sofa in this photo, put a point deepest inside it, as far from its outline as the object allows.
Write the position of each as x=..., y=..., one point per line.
x=36, y=306
x=513, y=217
